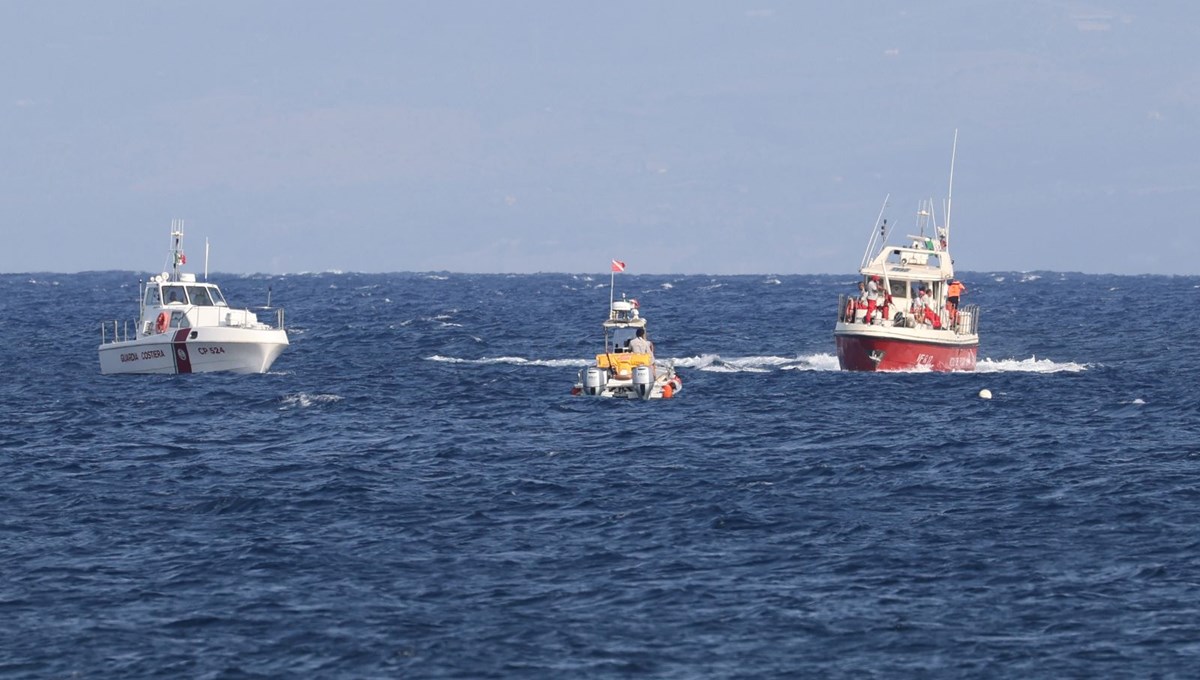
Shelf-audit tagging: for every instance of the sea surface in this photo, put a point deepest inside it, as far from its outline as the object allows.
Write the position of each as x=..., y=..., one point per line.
x=411, y=491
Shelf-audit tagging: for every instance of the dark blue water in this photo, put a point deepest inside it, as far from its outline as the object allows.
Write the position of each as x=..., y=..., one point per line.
x=412, y=492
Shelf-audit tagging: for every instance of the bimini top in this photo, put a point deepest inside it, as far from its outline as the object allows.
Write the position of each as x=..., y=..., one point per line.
x=624, y=314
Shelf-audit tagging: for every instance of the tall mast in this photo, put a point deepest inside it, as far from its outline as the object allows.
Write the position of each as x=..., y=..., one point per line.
x=877, y=237
x=612, y=282
x=950, y=191
x=177, y=256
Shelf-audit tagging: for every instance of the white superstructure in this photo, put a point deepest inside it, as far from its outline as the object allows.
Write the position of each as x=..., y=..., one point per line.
x=186, y=326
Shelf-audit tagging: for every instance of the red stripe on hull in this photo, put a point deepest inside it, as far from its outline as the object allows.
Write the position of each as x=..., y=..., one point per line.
x=183, y=360
x=855, y=353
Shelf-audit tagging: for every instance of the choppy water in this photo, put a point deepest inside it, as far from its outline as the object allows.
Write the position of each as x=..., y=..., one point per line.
x=411, y=491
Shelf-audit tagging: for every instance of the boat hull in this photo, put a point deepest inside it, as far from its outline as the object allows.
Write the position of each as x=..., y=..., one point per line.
x=881, y=350
x=195, y=350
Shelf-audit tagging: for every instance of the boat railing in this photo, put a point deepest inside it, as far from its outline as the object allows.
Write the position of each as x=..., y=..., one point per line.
x=120, y=331
x=966, y=321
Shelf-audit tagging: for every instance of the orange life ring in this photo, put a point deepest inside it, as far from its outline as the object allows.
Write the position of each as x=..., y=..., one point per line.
x=160, y=326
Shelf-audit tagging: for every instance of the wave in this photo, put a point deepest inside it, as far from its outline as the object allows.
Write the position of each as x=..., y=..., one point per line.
x=515, y=361
x=303, y=400
x=1030, y=365
x=759, y=364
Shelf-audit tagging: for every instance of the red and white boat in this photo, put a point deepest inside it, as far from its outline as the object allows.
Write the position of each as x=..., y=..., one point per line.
x=905, y=316
x=185, y=326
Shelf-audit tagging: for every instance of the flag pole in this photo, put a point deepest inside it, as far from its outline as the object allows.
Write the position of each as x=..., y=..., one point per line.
x=612, y=281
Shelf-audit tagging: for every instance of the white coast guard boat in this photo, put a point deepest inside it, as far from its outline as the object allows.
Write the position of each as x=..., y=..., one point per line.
x=908, y=314
x=185, y=326
x=620, y=371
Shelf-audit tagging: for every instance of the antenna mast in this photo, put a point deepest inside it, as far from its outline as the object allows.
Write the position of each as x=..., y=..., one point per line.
x=177, y=256
x=877, y=237
x=950, y=191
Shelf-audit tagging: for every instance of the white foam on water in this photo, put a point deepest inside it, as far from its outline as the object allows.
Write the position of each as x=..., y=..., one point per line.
x=513, y=361
x=304, y=400
x=814, y=362
x=1030, y=365
x=714, y=363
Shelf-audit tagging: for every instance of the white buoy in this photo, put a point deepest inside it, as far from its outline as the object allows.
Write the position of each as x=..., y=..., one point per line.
x=985, y=393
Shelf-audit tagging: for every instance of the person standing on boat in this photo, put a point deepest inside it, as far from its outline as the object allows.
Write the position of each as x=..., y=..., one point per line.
x=952, y=292
x=872, y=298
x=640, y=345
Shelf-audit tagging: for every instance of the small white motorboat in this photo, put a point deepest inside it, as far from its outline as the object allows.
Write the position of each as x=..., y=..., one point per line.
x=185, y=326
x=627, y=368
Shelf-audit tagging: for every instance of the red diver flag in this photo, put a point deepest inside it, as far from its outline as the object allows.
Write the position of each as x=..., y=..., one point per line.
x=618, y=266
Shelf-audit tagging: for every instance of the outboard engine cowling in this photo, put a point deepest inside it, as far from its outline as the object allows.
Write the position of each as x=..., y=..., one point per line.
x=641, y=381
x=595, y=380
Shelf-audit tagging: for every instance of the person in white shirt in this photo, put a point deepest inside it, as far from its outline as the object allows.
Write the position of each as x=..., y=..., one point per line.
x=640, y=345
x=873, y=298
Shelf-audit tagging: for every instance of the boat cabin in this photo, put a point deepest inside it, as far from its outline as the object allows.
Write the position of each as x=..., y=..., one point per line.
x=621, y=326
x=183, y=293
x=183, y=302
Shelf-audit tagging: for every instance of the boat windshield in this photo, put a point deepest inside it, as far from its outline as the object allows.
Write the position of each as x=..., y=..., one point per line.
x=621, y=338
x=152, y=297
x=199, y=296
x=174, y=295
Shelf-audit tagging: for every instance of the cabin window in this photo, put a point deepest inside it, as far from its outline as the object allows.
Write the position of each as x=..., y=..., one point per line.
x=899, y=289
x=199, y=296
x=174, y=295
x=152, y=297
x=179, y=320
x=217, y=298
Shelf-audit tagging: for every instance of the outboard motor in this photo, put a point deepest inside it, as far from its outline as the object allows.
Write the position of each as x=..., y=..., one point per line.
x=641, y=381
x=595, y=380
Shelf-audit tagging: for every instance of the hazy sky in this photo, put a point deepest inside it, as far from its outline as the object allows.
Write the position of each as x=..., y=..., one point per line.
x=522, y=136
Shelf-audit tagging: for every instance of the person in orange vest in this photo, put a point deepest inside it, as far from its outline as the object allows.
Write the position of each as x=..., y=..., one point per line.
x=952, y=292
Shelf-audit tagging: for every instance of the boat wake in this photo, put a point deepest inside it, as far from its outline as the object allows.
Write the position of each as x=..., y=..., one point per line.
x=515, y=361
x=1030, y=365
x=759, y=364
